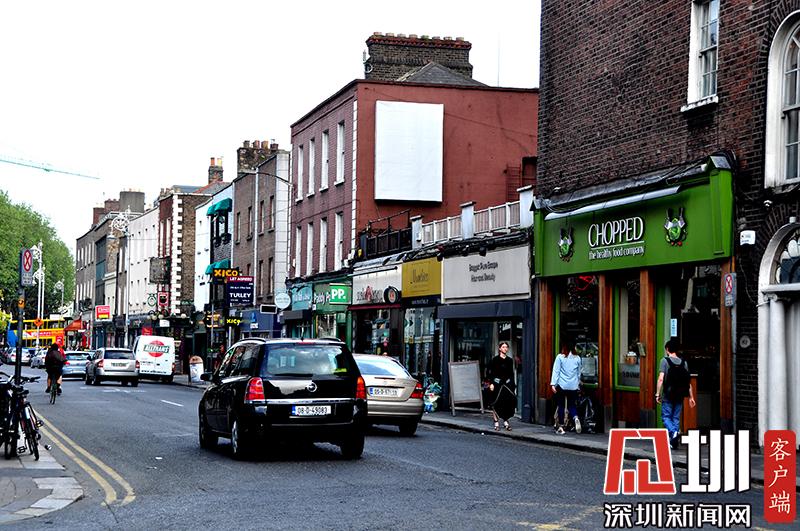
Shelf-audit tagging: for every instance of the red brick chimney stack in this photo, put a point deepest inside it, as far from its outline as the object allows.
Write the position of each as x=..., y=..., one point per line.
x=391, y=56
x=215, y=170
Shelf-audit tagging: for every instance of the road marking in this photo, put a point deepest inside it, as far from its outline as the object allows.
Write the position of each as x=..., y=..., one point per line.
x=172, y=403
x=110, y=493
x=129, y=495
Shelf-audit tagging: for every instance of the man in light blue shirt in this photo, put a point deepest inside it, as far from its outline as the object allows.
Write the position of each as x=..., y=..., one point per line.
x=564, y=382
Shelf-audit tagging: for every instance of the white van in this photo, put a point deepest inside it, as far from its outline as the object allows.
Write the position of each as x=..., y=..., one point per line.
x=156, y=357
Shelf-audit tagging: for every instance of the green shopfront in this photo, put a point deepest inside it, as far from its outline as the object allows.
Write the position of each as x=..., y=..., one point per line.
x=623, y=269
x=329, y=316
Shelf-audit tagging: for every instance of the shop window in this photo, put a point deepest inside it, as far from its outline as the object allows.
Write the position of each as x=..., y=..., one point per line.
x=578, y=322
x=421, y=338
x=628, y=346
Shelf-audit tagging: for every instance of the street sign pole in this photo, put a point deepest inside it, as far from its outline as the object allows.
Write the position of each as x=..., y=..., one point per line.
x=20, y=319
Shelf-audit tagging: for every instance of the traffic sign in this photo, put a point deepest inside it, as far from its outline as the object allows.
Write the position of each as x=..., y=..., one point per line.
x=38, y=322
x=26, y=268
x=729, y=287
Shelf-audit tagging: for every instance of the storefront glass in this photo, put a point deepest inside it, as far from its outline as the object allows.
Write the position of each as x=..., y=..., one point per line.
x=421, y=343
x=578, y=321
x=627, y=340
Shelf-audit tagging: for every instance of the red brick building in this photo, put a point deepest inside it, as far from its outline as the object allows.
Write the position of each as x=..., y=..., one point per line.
x=642, y=98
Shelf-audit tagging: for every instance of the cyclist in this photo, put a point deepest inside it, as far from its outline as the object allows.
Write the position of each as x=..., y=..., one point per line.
x=54, y=364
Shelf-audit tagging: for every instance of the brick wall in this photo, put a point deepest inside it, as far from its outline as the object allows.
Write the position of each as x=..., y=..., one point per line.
x=186, y=241
x=614, y=77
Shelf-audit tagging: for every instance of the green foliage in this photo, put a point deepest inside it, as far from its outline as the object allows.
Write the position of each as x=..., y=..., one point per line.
x=21, y=227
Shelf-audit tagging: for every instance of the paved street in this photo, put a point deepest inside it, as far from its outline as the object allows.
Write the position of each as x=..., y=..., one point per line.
x=136, y=448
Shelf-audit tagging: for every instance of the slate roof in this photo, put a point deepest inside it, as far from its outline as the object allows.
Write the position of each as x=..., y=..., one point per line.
x=438, y=74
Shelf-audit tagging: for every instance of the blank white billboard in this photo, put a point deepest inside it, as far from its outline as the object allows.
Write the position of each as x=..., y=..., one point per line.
x=408, y=151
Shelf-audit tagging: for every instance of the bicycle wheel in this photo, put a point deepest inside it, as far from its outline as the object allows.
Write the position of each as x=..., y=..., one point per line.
x=53, y=393
x=10, y=443
x=31, y=437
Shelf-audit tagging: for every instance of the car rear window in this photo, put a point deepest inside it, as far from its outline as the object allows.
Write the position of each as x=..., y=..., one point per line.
x=76, y=356
x=381, y=367
x=118, y=355
x=306, y=360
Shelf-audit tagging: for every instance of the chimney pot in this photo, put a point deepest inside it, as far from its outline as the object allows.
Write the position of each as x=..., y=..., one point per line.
x=246, y=143
x=401, y=35
x=448, y=38
x=460, y=39
x=413, y=35
x=257, y=144
x=435, y=37
x=213, y=161
x=390, y=34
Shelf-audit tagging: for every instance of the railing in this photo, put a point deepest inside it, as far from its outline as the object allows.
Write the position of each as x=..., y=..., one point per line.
x=499, y=217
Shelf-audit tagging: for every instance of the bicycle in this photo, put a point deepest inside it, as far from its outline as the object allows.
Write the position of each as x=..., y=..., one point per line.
x=20, y=419
x=53, y=393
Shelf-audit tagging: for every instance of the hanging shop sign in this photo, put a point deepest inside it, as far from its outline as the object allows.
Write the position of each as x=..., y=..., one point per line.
x=102, y=313
x=240, y=291
x=331, y=297
x=501, y=274
x=680, y=225
x=371, y=288
x=283, y=300
x=302, y=297
x=422, y=278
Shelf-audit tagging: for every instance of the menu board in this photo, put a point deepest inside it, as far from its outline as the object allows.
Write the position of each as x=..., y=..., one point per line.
x=465, y=384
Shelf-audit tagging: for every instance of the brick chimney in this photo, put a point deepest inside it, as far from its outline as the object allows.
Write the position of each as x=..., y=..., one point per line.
x=391, y=56
x=253, y=153
x=97, y=213
x=215, y=170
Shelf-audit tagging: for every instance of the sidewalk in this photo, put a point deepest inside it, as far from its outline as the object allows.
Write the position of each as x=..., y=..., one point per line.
x=593, y=443
x=31, y=488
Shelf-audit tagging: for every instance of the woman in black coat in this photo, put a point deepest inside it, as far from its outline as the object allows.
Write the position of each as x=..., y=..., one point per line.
x=501, y=385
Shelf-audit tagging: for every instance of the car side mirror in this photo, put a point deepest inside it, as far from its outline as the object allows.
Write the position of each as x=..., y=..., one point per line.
x=206, y=376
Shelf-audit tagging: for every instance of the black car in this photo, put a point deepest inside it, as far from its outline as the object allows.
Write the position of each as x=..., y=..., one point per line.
x=267, y=389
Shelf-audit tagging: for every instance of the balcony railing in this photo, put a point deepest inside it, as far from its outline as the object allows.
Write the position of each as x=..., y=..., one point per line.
x=488, y=220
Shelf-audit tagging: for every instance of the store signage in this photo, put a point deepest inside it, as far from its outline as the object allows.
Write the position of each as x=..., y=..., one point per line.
x=391, y=295
x=283, y=300
x=163, y=299
x=371, y=288
x=501, y=274
x=302, y=296
x=422, y=278
x=226, y=273
x=102, y=313
x=332, y=294
x=233, y=321
x=615, y=238
x=240, y=291
x=673, y=226
x=48, y=334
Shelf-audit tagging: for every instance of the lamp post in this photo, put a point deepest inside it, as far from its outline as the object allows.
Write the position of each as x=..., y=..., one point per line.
x=121, y=223
x=38, y=275
x=59, y=286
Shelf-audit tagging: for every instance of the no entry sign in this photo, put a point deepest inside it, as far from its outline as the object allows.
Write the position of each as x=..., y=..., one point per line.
x=26, y=268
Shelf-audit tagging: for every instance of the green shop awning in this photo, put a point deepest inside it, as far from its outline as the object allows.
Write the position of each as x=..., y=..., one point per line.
x=222, y=264
x=224, y=205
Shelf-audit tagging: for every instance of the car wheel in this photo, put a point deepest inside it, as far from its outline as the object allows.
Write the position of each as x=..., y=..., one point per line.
x=86, y=379
x=95, y=380
x=207, y=439
x=239, y=443
x=124, y=383
x=408, y=429
x=353, y=446
x=168, y=379
x=135, y=382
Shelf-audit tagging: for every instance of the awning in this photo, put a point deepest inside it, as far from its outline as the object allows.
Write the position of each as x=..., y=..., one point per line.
x=74, y=326
x=222, y=264
x=224, y=205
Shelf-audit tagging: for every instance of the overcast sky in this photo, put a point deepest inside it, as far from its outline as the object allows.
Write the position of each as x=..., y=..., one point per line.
x=142, y=94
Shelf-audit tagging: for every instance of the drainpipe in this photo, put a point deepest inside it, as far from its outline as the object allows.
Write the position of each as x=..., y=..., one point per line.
x=255, y=241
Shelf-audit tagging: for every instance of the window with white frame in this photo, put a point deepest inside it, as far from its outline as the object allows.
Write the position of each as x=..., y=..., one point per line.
x=298, y=250
x=339, y=242
x=323, y=245
x=323, y=177
x=782, y=135
x=340, y=152
x=703, y=43
x=312, y=160
x=300, y=176
x=310, y=249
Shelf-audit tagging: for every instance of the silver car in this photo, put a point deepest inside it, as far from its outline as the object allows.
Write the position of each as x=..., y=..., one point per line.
x=393, y=395
x=75, y=364
x=112, y=364
x=37, y=361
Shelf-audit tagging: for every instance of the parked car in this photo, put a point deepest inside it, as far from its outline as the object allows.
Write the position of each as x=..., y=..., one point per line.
x=75, y=364
x=37, y=361
x=112, y=364
x=27, y=353
x=393, y=396
x=266, y=389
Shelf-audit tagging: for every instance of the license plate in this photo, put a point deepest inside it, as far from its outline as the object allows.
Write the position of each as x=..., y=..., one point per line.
x=119, y=364
x=384, y=391
x=310, y=411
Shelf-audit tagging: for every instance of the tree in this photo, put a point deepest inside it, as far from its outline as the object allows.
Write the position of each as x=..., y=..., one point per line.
x=20, y=227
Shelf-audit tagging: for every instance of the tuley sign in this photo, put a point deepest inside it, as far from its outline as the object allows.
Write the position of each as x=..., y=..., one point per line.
x=240, y=291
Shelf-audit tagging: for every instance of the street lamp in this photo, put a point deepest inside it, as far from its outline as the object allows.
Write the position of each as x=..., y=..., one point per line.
x=59, y=286
x=38, y=275
x=121, y=223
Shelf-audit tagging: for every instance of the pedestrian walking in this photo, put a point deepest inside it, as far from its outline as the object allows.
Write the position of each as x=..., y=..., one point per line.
x=565, y=382
x=673, y=378
x=501, y=385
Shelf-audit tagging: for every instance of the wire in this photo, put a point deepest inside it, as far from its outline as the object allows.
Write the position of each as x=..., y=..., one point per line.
x=38, y=166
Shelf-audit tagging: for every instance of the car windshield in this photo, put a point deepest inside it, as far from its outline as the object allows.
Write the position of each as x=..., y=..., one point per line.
x=305, y=360
x=118, y=355
x=381, y=367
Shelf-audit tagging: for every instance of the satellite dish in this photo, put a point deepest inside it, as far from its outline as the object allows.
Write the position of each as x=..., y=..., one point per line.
x=367, y=68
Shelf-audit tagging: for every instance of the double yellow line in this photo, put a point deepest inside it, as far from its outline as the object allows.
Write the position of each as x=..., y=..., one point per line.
x=67, y=445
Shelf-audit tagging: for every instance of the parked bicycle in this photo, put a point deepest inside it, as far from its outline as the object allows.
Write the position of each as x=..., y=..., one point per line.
x=19, y=422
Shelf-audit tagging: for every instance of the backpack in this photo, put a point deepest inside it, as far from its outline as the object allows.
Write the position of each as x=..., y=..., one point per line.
x=676, y=386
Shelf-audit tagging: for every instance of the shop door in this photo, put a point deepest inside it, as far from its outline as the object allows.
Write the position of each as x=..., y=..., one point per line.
x=627, y=350
x=689, y=309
